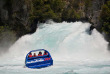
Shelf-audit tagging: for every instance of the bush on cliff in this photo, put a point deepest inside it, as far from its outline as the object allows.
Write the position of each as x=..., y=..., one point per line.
x=105, y=17
x=70, y=15
x=47, y=9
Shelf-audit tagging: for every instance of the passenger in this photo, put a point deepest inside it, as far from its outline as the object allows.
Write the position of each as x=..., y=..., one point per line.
x=34, y=55
x=40, y=54
x=30, y=55
x=45, y=53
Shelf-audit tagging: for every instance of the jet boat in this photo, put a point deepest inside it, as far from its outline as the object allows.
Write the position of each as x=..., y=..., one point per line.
x=41, y=60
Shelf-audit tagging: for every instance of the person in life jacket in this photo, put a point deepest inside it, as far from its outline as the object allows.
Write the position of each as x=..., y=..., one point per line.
x=34, y=55
x=40, y=54
x=45, y=53
x=30, y=55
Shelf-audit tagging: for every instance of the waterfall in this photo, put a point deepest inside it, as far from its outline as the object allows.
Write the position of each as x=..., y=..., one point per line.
x=65, y=42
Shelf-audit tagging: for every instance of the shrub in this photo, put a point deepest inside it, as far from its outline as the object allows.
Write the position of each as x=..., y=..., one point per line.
x=105, y=17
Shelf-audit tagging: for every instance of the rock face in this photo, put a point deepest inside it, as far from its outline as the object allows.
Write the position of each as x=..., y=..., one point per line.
x=94, y=11
x=87, y=9
x=91, y=10
x=14, y=14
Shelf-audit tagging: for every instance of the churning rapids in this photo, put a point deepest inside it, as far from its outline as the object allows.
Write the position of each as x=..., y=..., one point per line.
x=73, y=49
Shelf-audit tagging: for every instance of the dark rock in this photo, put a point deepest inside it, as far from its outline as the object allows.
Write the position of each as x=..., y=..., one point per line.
x=15, y=14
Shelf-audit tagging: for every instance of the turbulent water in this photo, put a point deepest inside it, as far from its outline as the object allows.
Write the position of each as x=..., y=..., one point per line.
x=73, y=48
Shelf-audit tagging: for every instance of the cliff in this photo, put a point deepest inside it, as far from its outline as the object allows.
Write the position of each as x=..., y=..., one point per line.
x=14, y=21
x=89, y=10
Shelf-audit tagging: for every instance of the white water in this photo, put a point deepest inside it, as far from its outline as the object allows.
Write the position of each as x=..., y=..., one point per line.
x=74, y=51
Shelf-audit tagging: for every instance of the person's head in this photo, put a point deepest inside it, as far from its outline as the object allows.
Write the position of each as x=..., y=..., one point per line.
x=30, y=53
x=34, y=53
x=45, y=52
x=40, y=52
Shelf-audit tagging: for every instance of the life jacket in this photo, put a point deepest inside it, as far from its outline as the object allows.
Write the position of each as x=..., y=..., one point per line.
x=45, y=53
x=30, y=56
x=39, y=54
x=34, y=55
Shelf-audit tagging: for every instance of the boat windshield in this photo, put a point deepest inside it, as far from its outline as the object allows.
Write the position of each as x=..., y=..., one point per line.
x=38, y=54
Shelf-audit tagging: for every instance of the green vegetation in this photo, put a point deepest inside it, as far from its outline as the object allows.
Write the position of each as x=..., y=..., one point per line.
x=105, y=17
x=70, y=15
x=6, y=32
x=4, y=27
x=88, y=3
x=47, y=9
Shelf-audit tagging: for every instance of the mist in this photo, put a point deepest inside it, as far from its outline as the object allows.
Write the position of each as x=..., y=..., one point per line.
x=7, y=39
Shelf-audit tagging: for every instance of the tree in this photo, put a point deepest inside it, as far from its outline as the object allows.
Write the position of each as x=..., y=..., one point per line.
x=47, y=9
x=105, y=17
